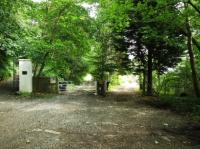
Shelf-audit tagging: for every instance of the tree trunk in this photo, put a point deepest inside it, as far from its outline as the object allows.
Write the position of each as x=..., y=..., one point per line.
x=35, y=70
x=144, y=82
x=194, y=6
x=149, y=74
x=141, y=82
x=101, y=88
x=43, y=64
x=195, y=42
x=192, y=61
x=159, y=84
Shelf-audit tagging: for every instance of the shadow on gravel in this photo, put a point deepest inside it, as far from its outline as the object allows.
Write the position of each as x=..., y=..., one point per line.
x=189, y=130
x=151, y=102
x=192, y=132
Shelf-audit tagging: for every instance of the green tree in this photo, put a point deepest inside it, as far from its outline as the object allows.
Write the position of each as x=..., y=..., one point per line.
x=10, y=31
x=112, y=18
x=58, y=36
x=152, y=40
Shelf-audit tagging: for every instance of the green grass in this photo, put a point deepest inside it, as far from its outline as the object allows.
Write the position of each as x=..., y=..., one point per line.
x=34, y=96
x=25, y=94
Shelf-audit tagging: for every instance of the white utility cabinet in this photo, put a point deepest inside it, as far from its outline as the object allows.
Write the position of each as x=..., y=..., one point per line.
x=25, y=75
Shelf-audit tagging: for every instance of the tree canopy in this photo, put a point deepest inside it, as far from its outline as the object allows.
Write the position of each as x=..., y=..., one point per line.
x=148, y=38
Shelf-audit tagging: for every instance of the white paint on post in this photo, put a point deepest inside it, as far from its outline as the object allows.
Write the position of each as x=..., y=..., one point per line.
x=25, y=75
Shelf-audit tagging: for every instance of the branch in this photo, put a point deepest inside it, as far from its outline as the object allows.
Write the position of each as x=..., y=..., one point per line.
x=195, y=7
x=43, y=63
x=196, y=43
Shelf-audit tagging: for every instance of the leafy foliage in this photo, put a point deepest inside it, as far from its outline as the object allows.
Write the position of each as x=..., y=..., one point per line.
x=146, y=38
x=10, y=31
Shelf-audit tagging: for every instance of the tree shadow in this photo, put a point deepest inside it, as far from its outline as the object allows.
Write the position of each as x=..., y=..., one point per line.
x=190, y=131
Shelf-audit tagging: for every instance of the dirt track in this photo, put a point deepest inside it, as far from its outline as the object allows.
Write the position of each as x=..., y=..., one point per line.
x=82, y=120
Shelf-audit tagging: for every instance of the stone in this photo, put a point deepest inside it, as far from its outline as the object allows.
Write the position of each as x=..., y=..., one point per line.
x=166, y=138
x=52, y=132
x=28, y=141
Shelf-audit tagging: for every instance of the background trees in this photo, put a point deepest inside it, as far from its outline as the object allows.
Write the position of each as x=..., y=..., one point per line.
x=147, y=38
x=153, y=41
x=9, y=33
x=58, y=36
x=158, y=36
x=112, y=18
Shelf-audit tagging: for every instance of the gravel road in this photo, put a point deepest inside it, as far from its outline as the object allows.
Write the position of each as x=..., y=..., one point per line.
x=82, y=120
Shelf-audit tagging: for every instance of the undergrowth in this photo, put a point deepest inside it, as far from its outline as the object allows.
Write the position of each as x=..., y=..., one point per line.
x=185, y=105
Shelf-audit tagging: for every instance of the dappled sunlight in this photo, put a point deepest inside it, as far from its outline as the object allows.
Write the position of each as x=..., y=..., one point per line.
x=45, y=106
x=88, y=77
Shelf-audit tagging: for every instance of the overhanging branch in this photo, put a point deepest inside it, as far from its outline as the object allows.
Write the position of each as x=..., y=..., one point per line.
x=195, y=7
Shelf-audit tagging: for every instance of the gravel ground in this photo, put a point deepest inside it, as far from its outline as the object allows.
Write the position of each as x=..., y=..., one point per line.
x=82, y=120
